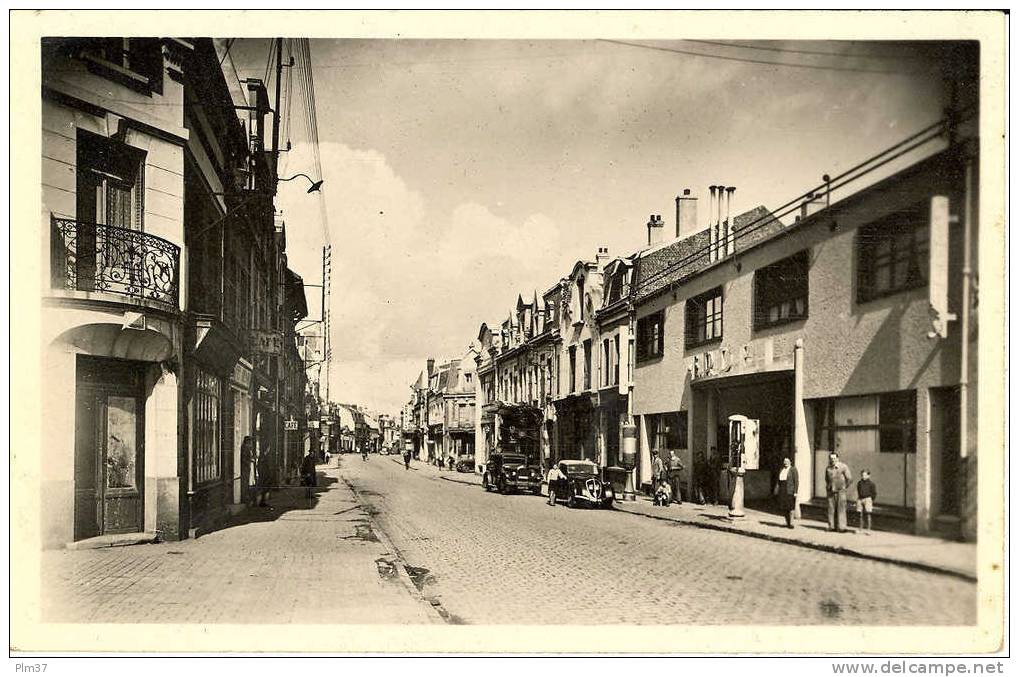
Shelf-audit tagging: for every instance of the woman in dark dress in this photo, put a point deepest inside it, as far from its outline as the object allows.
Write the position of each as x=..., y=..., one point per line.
x=788, y=484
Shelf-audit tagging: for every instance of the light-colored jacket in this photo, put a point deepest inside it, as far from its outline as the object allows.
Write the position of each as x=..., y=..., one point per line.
x=837, y=477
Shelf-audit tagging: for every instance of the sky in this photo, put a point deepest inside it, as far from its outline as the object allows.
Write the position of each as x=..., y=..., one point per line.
x=461, y=173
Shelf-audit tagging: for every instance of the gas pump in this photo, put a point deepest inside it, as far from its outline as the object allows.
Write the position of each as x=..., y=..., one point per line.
x=744, y=454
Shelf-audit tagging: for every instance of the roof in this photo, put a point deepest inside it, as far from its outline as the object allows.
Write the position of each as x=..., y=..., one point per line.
x=659, y=268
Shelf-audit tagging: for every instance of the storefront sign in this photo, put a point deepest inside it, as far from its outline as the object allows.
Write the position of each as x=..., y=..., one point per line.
x=290, y=425
x=313, y=424
x=748, y=358
x=268, y=342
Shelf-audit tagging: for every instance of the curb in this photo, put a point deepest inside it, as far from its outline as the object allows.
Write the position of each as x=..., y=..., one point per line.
x=401, y=571
x=834, y=549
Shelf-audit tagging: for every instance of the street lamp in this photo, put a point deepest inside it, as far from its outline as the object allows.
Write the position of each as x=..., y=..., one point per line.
x=315, y=185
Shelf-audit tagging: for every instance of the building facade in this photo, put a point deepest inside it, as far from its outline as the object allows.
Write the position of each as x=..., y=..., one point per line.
x=162, y=266
x=823, y=331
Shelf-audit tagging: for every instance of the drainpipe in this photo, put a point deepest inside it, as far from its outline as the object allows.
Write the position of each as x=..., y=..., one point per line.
x=629, y=428
x=802, y=455
x=967, y=273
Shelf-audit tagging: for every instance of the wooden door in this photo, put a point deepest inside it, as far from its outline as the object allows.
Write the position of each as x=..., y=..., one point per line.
x=109, y=450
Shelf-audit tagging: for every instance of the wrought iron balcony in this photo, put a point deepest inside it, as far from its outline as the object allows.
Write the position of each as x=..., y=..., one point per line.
x=98, y=258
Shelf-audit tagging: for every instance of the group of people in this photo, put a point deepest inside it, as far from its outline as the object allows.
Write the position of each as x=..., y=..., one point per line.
x=838, y=478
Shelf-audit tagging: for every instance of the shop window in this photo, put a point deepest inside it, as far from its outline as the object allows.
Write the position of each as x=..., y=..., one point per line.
x=883, y=423
x=651, y=336
x=704, y=318
x=893, y=254
x=667, y=431
x=780, y=291
x=205, y=428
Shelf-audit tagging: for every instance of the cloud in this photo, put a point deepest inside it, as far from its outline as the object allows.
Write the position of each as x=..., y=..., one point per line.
x=407, y=284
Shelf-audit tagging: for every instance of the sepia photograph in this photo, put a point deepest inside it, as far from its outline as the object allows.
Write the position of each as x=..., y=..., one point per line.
x=514, y=332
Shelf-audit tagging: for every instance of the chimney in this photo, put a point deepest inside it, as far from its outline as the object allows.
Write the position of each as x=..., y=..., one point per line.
x=730, y=241
x=655, y=230
x=686, y=214
x=712, y=233
x=603, y=257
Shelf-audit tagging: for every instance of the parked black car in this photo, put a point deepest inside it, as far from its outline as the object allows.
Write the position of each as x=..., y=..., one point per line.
x=465, y=464
x=511, y=472
x=579, y=483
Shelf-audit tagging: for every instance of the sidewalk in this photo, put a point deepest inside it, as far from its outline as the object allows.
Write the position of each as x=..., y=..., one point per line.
x=305, y=560
x=919, y=552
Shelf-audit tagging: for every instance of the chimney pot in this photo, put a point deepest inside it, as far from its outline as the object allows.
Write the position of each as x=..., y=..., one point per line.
x=686, y=191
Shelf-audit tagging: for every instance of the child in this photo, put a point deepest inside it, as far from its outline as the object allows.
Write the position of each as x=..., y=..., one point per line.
x=663, y=495
x=866, y=494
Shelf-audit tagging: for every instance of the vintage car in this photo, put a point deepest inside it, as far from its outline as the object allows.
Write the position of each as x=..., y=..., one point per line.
x=465, y=463
x=508, y=472
x=579, y=483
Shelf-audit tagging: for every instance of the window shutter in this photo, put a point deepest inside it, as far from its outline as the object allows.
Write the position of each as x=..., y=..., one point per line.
x=661, y=333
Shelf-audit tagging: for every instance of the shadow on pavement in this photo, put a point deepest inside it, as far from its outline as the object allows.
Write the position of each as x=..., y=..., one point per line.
x=282, y=500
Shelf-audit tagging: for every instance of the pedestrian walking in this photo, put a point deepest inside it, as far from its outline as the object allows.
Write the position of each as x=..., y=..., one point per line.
x=786, y=488
x=449, y=462
x=866, y=494
x=264, y=477
x=308, y=475
x=406, y=459
x=837, y=478
x=248, y=470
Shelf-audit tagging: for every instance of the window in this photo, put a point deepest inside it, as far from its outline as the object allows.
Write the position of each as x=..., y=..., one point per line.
x=893, y=254
x=109, y=182
x=780, y=291
x=606, y=362
x=887, y=421
x=205, y=428
x=587, y=364
x=615, y=361
x=667, y=431
x=133, y=62
x=580, y=297
x=468, y=377
x=651, y=336
x=704, y=318
x=573, y=369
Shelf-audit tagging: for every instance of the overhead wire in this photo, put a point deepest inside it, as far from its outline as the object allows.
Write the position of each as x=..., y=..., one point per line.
x=779, y=64
x=847, y=55
x=890, y=154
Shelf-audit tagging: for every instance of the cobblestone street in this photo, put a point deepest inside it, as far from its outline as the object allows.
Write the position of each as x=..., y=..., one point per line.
x=381, y=544
x=513, y=559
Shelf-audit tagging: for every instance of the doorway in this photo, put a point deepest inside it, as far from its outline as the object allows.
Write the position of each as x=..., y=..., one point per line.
x=109, y=448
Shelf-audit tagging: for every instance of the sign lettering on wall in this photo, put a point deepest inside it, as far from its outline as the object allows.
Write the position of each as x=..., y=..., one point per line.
x=268, y=342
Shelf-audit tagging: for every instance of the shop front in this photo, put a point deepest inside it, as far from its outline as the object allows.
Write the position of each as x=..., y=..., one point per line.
x=576, y=417
x=765, y=397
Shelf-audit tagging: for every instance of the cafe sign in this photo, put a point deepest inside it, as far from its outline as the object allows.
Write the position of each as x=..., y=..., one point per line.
x=268, y=342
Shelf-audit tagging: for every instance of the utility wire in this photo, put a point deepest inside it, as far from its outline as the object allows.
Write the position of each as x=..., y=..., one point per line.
x=804, y=51
x=674, y=50
x=889, y=154
x=229, y=44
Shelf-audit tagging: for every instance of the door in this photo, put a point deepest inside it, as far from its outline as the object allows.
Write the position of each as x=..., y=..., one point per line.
x=109, y=450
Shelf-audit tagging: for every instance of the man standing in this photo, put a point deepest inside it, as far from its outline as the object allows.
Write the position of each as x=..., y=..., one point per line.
x=837, y=478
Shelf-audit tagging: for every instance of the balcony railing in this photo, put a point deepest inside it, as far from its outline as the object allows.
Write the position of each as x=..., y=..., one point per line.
x=94, y=257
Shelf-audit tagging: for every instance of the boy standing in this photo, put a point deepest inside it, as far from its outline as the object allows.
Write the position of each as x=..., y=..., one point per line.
x=866, y=493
